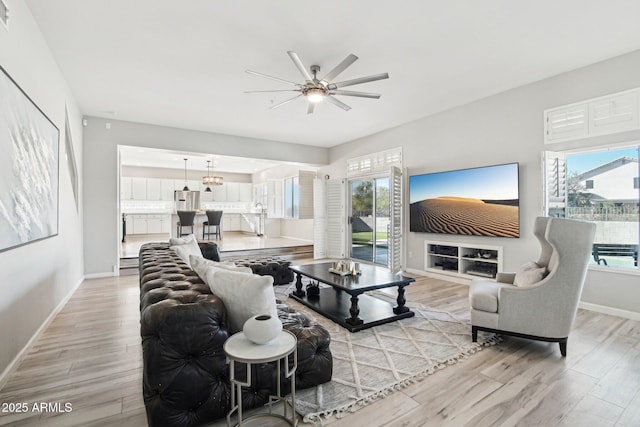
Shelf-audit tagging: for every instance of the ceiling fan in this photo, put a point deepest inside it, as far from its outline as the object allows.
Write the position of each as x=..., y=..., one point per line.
x=318, y=89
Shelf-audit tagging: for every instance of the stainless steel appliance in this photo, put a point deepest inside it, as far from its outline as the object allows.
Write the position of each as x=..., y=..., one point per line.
x=186, y=200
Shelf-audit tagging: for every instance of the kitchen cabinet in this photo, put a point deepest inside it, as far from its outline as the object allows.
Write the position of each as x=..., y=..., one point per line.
x=154, y=224
x=139, y=224
x=231, y=222
x=245, y=192
x=166, y=189
x=139, y=188
x=129, y=227
x=148, y=224
x=220, y=193
x=233, y=191
x=154, y=189
x=125, y=188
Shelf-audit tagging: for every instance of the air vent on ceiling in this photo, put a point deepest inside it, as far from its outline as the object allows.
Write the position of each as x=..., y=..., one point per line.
x=4, y=13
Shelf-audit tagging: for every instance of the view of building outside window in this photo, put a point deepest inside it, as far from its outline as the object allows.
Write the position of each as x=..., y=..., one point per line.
x=602, y=186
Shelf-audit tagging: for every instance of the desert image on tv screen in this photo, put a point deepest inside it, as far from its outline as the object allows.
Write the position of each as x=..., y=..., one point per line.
x=478, y=202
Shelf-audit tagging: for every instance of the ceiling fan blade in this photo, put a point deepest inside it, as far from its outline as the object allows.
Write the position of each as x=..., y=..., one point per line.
x=339, y=68
x=310, y=108
x=278, y=79
x=296, y=60
x=358, y=81
x=340, y=104
x=359, y=94
x=279, y=90
x=273, y=107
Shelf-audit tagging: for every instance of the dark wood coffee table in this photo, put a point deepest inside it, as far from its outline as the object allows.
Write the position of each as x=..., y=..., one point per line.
x=344, y=302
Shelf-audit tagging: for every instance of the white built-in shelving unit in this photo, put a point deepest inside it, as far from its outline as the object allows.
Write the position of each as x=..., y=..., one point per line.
x=466, y=260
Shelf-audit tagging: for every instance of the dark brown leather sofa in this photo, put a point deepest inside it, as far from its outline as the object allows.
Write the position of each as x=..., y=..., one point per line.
x=184, y=326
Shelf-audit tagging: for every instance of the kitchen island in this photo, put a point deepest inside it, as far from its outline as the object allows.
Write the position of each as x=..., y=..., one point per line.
x=233, y=221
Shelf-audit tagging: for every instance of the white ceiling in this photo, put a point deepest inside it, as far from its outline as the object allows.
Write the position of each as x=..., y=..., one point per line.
x=182, y=63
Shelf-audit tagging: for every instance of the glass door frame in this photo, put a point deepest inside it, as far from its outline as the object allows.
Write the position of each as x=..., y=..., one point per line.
x=373, y=178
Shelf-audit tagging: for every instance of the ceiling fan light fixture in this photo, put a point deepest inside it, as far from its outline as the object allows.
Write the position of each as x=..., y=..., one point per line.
x=315, y=95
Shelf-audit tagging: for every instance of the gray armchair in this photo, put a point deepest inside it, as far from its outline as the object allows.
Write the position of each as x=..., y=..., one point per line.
x=544, y=310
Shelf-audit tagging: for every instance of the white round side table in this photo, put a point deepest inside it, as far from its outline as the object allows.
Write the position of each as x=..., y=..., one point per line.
x=238, y=348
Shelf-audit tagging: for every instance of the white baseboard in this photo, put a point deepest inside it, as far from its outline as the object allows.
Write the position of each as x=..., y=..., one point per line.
x=100, y=275
x=16, y=360
x=633, y=315
x=447, y=277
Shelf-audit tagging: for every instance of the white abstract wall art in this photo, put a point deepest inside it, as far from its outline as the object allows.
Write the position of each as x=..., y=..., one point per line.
x=28, y=168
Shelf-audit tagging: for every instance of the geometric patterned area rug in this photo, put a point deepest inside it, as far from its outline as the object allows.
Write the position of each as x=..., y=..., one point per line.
x=370, y=364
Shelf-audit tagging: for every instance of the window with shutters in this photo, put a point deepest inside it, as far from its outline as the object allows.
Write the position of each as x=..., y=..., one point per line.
x=375, y=162
x=599, y=185
x=605, y=115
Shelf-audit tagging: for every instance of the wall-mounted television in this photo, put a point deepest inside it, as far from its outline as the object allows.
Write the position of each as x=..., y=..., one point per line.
x=481, y=201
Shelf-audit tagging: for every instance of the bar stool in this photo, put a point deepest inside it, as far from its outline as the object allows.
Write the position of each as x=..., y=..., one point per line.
x=214, y=218
x=186, y=219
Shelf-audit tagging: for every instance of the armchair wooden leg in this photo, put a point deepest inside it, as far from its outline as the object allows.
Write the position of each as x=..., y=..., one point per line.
x=563, y=348
x=474, y=334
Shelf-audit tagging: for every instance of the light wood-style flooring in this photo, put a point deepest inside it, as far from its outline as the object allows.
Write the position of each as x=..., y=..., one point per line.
x=90, y=357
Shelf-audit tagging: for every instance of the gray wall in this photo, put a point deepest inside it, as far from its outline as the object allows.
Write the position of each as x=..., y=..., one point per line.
x=37, y=278
x=101, y=172
x=507, y=127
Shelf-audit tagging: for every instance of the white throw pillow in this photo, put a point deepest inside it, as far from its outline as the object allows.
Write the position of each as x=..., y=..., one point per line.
x=244, y=295
x=185, y=251
x=190, y=239
x=529, y=274
x=200, y=264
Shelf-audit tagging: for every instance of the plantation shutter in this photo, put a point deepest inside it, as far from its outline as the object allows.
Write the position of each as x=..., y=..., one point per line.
x=394, y=238
x=565, y=123
x=319, y=219
x=555, y=183
x=329, y=219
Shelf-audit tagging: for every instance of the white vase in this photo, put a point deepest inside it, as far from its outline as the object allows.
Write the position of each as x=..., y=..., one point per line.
x=262, y=328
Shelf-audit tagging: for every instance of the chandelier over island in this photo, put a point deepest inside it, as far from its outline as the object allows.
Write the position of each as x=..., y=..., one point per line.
x=211, y=180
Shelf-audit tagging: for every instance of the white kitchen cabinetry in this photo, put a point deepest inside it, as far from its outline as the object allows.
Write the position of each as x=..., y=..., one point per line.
x=166, y=189
x=139, y=224
x=154, y=189
x=230, y=222
x=154, y=224
x=129, y=220
x=245, y=192
x=125, y=188
x=139, y=188
x=233, y=191
x=148, y=224
x=220, y=193
x=462, y=259
x=165, y=224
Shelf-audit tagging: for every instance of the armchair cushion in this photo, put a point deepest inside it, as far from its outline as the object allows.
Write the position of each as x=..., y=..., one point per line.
x=483, y=295
x=529, y=275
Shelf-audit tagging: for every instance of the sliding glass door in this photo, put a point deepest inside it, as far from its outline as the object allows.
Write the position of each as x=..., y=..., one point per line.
x=370, y=219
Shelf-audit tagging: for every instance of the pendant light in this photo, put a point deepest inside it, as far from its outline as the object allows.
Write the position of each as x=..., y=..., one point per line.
x=211, y=180
x=205, y=180
x=186, y=187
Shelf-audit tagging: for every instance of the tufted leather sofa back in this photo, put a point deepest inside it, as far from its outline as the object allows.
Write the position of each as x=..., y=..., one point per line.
x=183, y=328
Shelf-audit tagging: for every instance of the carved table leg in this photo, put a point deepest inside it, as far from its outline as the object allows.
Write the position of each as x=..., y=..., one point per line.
x=401, y=300
x=299, y=292
x=354, y=320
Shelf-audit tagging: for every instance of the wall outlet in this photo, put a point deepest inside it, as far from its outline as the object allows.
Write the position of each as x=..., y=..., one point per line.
x=410, y=254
